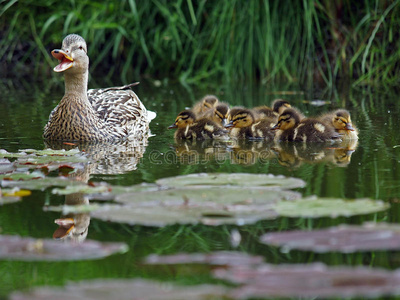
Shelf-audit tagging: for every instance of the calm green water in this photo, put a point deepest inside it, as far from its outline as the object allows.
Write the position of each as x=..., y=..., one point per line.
x=372, y=170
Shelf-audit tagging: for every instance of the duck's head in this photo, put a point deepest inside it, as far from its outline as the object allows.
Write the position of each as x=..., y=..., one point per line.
x=239, y=118
x=279, y=105
x=208, y=102
x=342, y=121
x=221, y=112
x=287, y=120
x=185, y=118
x=72, y=56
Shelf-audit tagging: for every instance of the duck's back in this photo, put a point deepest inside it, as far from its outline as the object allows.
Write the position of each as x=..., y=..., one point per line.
x=121, y=109
x=310, y=130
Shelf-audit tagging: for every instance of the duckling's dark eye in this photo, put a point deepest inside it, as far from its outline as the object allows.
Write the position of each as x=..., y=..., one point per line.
x=80, y=47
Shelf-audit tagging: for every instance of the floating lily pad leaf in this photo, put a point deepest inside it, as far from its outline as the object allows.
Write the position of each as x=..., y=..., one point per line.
x=76, y=209
x=61, y=152
x=117, y=190
x=233, y=180
x=15, y=192
x=9, y=199
x=220, y=258
x=311, y=280
x=30, y=249
x=194, y=197
x=22, y=176
x=153, y=214
x=342, y=238
x=42, y=183
x=44, y=160
x=328, y=207
x=125, y=289
x=5, y=153
x=83, y=189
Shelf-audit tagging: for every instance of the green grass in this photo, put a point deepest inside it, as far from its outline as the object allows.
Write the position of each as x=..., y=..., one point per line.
x=309, y=41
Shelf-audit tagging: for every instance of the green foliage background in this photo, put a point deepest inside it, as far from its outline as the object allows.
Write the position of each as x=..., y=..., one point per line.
x=265, y=40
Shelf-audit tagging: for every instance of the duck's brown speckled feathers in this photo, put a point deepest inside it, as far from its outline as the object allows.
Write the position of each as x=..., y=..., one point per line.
x=108, y=114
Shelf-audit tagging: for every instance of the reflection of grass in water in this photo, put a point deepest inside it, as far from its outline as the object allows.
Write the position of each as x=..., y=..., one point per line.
x=191, y=40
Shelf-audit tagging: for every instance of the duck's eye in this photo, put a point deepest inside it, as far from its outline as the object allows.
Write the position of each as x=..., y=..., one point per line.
x=80, y=47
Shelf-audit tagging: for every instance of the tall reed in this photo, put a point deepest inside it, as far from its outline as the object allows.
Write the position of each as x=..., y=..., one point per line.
x=297, y=41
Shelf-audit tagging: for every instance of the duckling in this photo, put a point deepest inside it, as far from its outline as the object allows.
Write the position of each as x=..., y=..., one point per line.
x=109, y=114
x=218, y=114
x=206, y=103
x=340, y=121
x=188, y=127
x=291, y=128
x=244, y=125
x=279, y=105
x=265, y=112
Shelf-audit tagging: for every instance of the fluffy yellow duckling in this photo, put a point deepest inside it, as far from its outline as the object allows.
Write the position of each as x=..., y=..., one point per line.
x=340, y=121
x=244, y=125
x=188, y=127
x=218, y=114
x=206, y=103
x=291, y=127
x=279, y=105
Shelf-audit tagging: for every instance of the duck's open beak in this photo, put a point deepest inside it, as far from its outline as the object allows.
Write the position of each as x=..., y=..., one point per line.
x=66, y=61
x=349, y=127
x=65, y=227
x=172, y=126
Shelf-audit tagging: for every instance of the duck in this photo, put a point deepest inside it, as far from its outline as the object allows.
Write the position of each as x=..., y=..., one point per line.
x=290, y=127
x=243, y=125
x=218, y=114
x=109, y=114
x=279, y=105
x=189, y=127
x=205, y=104
x=340, y=121
x=265, y=112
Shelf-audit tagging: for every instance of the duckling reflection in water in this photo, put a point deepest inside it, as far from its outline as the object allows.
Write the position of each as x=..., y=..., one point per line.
x=200, y=151
x=188, y=127
x=243, y=125
x=291, y=127
x=249, y=152
x=340, y=121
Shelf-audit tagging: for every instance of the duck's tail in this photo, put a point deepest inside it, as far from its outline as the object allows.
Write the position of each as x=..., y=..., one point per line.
x=151, y=115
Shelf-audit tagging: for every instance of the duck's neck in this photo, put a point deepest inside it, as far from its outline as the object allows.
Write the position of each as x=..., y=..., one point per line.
x=76, y=86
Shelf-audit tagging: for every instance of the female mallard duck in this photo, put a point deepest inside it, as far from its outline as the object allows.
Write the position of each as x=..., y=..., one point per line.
x=218, y=114
x=206, y=103
x=340, y=121
x=291, y=127
x=96, y=115
x=244, y=125
x=188, y=127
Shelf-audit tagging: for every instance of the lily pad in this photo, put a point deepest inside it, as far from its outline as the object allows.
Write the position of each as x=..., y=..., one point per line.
x=210, y=196
x=30, y=249
x=328, y=207
x=77, y=209
x=40, y=183
x=21, y=176
x=212, y=206
x=344, y=238
x=311, y=280
x=83, y=189
x=125, y=289
x=219, y=258
x=266, y=181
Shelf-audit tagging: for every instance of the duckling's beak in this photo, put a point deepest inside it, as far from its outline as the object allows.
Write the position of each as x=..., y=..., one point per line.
x=349, y=127
x=66, y=61
x=172, y=126
x=276, y=127
x=229, y=125
x=223, y=122
x=65, y=227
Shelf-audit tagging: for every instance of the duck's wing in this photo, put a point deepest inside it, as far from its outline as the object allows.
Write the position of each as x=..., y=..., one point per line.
x=121, y=108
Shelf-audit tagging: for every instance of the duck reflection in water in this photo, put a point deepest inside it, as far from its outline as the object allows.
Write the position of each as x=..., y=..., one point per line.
x=73, y=227
x=103, y=159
